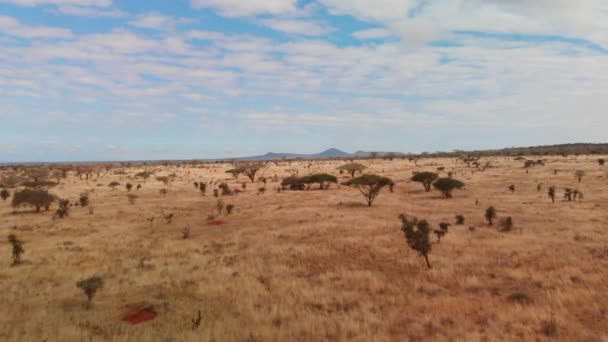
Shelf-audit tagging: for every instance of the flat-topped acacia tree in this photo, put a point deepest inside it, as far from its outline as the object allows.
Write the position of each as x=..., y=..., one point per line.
x=352, y=168
x=425, y=178
x=370, y=186
x=323, y=179
x=447, y=185
x=248, y=169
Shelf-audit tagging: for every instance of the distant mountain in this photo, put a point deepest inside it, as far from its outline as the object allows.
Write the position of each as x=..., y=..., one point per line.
x=329, y=153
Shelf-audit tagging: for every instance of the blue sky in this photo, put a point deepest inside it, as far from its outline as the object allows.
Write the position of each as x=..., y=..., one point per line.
x=124, y=80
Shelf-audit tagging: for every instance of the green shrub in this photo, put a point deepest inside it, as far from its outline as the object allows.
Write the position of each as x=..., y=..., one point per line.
x=447, y=185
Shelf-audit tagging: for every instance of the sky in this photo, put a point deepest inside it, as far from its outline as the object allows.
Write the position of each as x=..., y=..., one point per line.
x=139, y=80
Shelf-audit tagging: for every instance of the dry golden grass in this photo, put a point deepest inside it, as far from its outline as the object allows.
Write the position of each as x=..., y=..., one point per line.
x=316, y=265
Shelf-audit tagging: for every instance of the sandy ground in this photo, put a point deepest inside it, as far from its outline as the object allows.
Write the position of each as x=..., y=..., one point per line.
x=315, y=265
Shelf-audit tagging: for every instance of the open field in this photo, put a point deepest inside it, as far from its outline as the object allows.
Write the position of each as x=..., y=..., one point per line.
x=315, y=265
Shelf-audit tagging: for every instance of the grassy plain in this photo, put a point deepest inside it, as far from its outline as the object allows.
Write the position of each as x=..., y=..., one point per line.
x=315, y=265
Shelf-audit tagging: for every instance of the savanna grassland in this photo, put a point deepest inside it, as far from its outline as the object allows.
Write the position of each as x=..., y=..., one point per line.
x=317, y=265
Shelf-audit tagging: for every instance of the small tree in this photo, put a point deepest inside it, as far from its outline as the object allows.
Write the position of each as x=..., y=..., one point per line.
x=83, y=200
x=113, y=185
x=202, y=187
x=442, y=231
x=138, y=186
x=250, y=169
x=506, y=224
x=369, y=186
x=460, y=219
x=447, y=185
x=35, y=198
x=229, y=209
x=64, y=208
x=417, y=236
x=601, y=161
x=38, y=174
x=235, y=172
x=129, y=186
x=490, y=214
x=4, y=194
x=132, y=198
x=90, y=287
x=17, y=248
x=512, y=188
x=551, y=193
x=579, y=175
x=352, y=168
x=425, y=178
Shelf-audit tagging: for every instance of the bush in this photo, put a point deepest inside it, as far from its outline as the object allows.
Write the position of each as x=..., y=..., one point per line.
x=294, y=183
x=460, y=219
x=512, y=188
x=551, y=193
x=4, y=194
x=129, y=186
x=369, y=186
x=447, y=185
x=132, y=198
x=490, y=214
x=322, y=178
x=229, y=209
x=417, y=236
x=83, y=199
x=17, y=248
x=90, y=287
x=64, y=208
x=186, y=232
x=442, y=231
x=35, y=198
x=425, y=178
x=506, y=224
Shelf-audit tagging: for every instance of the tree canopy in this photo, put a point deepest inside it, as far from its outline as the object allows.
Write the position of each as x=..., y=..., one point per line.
x=370, y=186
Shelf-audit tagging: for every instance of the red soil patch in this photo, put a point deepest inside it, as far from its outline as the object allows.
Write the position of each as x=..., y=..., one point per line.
x=139, y=313
x=217, y=223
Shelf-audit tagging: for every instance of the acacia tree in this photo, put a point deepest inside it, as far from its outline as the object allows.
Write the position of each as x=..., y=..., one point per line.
x=425, y=178
x=370, y=186
x=417, y=236
x=234, y=172
x=35, y=198
x=352, y=168
x=38, y=174
x=490, y=214
x=447, y=185
x=250, y=169
x=322, y=178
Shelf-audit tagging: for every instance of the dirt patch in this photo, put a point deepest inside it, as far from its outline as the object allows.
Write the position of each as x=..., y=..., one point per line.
x=139, y=313
x=217, y=223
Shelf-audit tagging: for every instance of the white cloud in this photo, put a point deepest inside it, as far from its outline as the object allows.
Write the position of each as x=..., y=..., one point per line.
x=13, y=27
x=157, y=21
x=375, y=33
x=93, y=12
x=297, y=26
x=241, y=8
x=30, y=3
